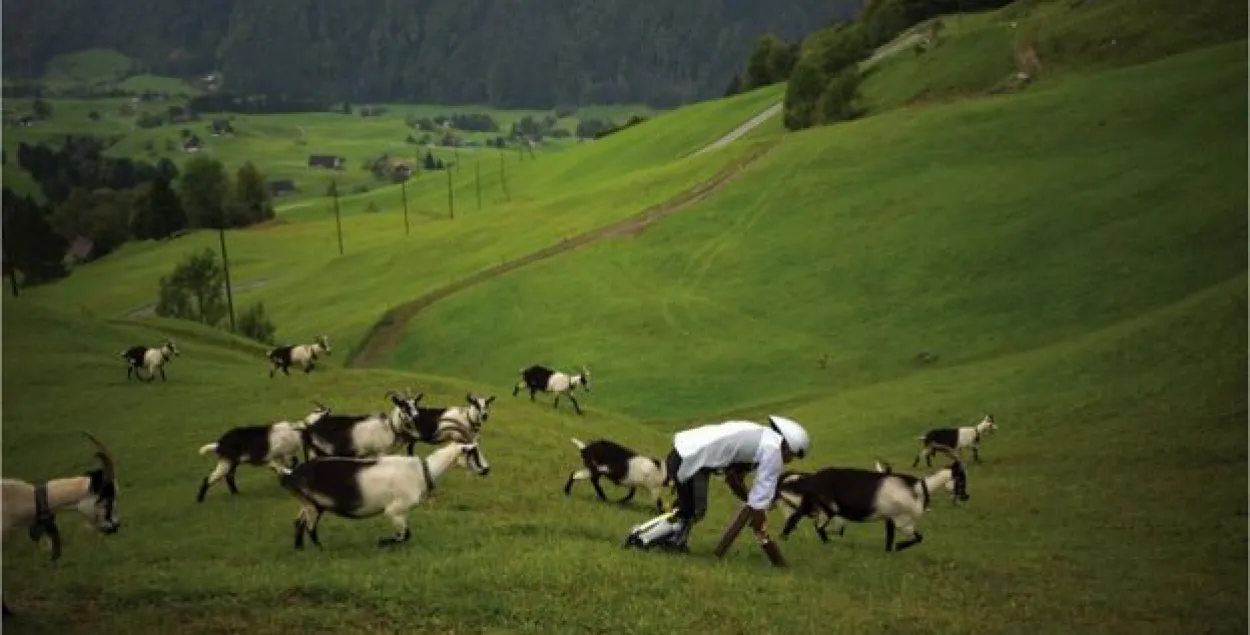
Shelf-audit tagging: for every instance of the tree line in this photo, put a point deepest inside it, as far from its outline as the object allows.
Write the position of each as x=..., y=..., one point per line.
x=112, y=200
x=506, y=55
x=823, y=72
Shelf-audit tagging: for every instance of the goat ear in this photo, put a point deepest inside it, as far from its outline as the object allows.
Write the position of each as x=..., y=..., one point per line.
x=490, y=399
x=468, y=396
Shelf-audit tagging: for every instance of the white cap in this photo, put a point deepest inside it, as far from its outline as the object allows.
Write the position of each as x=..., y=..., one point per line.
x=793, y=432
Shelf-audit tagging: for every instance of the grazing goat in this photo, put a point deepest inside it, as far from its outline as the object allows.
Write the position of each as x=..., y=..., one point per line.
x=540, y=378
x=304, y=354
x=278, y=444
x=149, y=359
x=363, y=488
x=954, y=439
x=622, y=466
x=858, y=495
x=460, y=423
x=362, y=435
x=93, y=494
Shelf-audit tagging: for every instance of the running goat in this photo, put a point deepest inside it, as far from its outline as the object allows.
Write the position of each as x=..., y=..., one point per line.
x=542, y=379
x=93, y=494
x=954, y=439
x=149, y=359
x=622, y=466
x=362, y=435
x=459, y=423
x=820, y=520
x=364, y=488
x=860, y=496
x=278, y=444
x=305, y=355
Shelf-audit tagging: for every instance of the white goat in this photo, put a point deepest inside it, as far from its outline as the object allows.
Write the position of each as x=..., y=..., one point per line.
x=542, y=379
x=363, y=488
x=305, y=355
x=149, y=359
x=279, y=444
x=93, y=494
x=954, y=439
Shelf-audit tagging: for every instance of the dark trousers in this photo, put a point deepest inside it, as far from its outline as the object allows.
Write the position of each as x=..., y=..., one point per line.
x=691, y=494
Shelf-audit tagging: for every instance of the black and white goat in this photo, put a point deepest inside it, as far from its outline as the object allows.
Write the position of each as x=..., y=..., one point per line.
x=305, y=355
x=954, y=439
x=362, y=435
x=822, y=521
x=459, y=423
x=542, y=379
x=279, y=445
x=624, y=467
x=150, y=359
x=93, y=494
x=858, y=495
x=364, y=488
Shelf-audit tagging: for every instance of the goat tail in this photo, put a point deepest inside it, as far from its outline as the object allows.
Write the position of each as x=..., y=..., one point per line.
x=578, y=443
x=884, y=467
x=208, y=447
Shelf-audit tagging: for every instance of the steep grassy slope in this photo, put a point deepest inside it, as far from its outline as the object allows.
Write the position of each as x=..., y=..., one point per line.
x=968, y=231
x=965, y=55
x=1080, y=520
x=307, y=285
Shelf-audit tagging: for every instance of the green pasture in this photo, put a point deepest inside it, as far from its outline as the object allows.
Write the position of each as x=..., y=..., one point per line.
x=876, y=241
x=1070, y=258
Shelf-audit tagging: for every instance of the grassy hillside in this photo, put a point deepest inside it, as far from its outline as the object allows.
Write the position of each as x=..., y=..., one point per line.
x=958, y=56
x=1071, y=259
x=306, y=283
x=1067, y=528
x=900, y=252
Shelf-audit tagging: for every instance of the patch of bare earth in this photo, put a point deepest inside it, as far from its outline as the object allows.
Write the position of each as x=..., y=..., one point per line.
x=386, y=333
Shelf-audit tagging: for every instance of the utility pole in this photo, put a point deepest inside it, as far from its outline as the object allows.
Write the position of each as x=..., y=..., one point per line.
x=334, y=185
x=503, y=175
x=225, y=265
x=451, y=199
x=403, y=188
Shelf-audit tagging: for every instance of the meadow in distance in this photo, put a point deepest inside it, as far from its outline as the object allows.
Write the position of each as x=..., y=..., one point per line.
x=1066, y=253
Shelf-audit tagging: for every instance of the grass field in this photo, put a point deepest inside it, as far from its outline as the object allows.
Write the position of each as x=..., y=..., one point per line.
x=1071, y=259
x=1080, y=231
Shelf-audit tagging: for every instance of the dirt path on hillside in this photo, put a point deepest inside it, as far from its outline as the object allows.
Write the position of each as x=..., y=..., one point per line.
x=751, y=124
x=386, y=333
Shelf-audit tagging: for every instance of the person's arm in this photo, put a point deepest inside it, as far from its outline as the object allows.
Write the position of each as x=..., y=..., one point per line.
x=735, y=479
x=764, y=490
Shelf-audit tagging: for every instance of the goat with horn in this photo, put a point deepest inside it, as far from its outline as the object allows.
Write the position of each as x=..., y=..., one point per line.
x=93, y=494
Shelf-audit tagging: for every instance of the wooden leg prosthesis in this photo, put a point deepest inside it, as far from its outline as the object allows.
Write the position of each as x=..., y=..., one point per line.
x=735, y=527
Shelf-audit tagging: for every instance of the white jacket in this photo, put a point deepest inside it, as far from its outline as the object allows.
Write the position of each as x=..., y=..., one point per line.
x=720, y=445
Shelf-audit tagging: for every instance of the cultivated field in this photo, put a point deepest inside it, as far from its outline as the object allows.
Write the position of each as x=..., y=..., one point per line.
x=1069, y=257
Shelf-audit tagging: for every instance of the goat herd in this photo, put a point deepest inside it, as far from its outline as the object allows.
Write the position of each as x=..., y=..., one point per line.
x=349, y=464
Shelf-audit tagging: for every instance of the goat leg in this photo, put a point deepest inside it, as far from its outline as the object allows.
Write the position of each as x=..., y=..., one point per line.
x=312, y=531
x=889, y=535
x=916, y=539
x=804, y=508
x=628, y=497
x=576, y=406
x=594, y=480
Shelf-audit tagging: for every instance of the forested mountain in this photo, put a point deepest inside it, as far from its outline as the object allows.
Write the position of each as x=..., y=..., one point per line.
x=507, y=53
